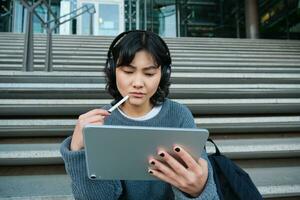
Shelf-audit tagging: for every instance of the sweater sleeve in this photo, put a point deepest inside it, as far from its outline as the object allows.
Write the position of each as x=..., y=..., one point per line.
x=82, y=186
x=210, y=191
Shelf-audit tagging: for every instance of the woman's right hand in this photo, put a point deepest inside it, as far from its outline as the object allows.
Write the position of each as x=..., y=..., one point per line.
x=94, y=117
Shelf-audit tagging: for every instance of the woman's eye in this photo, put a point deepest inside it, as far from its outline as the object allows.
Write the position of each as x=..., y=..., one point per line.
x=149, y=74
x=128, y=72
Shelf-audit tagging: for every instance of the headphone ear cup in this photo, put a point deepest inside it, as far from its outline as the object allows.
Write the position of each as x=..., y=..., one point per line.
x=166, y=73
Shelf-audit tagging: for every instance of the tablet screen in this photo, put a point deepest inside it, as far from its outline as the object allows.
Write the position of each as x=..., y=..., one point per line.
x=122, y=152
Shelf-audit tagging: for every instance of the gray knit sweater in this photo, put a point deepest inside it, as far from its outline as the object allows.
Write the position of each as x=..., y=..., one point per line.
x=172, y=114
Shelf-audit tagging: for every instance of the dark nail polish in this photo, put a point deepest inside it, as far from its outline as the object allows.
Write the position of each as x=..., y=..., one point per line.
x=177, y=149
x=152, y=163
x=162, y=154
x=151, y=172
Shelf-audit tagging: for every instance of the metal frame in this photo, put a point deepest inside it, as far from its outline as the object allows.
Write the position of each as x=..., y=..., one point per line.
x=28, y=44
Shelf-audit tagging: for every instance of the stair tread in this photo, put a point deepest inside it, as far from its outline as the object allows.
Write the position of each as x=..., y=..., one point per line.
x=57, y=184
x=12, y=153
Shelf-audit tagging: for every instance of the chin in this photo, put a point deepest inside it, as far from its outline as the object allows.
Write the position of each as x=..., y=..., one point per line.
x=137, y=101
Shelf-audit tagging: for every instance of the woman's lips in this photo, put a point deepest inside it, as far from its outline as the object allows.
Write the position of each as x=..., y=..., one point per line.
x=138, y=95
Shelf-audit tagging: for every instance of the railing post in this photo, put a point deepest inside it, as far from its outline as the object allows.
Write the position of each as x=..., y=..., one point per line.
x=28, y=43
x=28, y=40
x=91, y=24
x=130, y=15
x=251, y=17
x=48, y=63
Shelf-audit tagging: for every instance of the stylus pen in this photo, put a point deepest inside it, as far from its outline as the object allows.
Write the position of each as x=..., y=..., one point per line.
x=117, y=104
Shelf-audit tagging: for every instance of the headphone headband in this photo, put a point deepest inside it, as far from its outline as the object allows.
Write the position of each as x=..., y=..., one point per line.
x=110, y=62
x=122, y=35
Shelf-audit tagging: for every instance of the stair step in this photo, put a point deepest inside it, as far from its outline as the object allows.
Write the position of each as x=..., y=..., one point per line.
x=16, y=76
x=40, y=51
x=195, y=49
x=264, y=43
x=194, y=72
x=102, y=51
x=5, y=57
x=171, y=42
x=201, y=69
x=40, y=153
x=34, y=182
x=47, y=182
x=61, y=88
x=252, y=124
x=25, y=127
x=36, y=127
x=22, y=107
x=178, y=61
x=44, y=197
x=197, y=78
x=191, y=39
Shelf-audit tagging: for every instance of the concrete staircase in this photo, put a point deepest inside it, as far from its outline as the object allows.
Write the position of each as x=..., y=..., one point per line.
x=246, y=92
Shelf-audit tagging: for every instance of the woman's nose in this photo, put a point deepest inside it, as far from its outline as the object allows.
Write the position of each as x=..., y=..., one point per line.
x=138, y=82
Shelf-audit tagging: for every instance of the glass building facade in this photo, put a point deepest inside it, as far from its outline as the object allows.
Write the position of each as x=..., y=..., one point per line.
x=277, y=19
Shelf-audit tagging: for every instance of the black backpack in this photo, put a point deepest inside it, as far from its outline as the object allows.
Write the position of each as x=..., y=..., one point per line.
x=232, y=182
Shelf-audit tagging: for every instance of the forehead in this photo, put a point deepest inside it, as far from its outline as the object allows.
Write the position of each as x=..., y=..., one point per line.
x=143, y=59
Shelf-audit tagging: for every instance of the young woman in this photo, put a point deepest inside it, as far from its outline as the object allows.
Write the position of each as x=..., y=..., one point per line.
x=139, y=65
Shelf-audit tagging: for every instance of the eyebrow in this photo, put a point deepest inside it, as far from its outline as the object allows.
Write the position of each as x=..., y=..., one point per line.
x=144, y=69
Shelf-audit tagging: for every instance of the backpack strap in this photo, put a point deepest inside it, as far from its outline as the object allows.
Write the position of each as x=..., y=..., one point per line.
x=216, y=147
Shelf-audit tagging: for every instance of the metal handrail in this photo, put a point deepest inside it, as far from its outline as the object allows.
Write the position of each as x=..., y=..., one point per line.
x=28, y=44
x=8, y=12
x=74, y=11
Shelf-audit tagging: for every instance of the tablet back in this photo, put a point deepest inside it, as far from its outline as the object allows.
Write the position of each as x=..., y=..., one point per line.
x=122, y=152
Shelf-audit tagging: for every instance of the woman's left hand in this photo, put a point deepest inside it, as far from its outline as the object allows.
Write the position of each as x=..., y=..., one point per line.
x=190, y=179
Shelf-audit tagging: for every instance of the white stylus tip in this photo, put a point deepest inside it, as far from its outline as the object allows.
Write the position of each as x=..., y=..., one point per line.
x=118, y=104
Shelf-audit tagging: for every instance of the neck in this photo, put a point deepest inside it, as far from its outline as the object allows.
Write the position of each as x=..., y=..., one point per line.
x=136, y=111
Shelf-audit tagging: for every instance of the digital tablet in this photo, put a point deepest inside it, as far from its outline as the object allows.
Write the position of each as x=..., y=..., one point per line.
x=122, y=152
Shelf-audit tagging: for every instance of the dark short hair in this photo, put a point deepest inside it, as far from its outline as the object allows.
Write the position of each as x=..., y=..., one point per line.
x=122, y=52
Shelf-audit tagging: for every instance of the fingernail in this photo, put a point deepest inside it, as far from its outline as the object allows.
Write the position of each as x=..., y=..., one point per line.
x=150, y=172
x=152, y=163
x=177, y=149
x=162, y=154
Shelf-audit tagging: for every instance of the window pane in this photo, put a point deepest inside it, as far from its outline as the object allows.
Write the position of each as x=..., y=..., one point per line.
x=86, y=21
x=108, y=19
